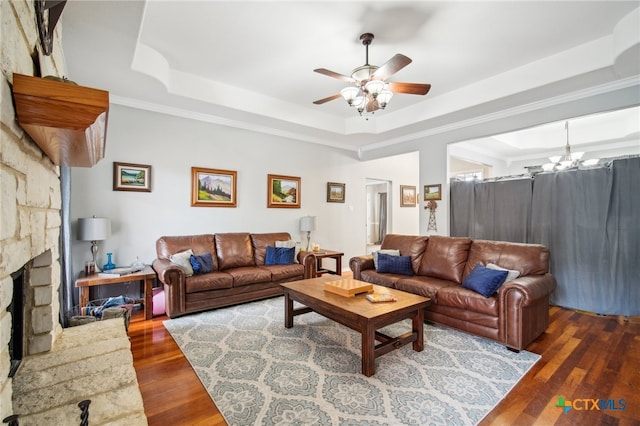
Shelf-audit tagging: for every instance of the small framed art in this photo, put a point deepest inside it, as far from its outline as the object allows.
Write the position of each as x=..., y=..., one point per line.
x=283, y=191
x=131, y=177
x=432, y=192
x=407, y=196
x=335, y=192
x=213, y=187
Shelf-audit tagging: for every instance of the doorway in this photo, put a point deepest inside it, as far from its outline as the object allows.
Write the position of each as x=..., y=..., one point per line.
x=378, y=212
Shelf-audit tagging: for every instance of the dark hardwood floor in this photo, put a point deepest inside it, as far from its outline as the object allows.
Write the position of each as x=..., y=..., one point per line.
x=584, y=356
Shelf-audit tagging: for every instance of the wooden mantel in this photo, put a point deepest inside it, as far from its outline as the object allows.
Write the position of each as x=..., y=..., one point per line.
x=69, y=122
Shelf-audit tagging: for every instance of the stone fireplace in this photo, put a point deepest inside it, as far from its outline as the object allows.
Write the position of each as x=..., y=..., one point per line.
x=30, y=200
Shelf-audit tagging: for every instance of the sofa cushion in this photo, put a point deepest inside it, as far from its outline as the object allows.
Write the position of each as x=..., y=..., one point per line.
x=199, y=244
x=394, y=264
x=445, y=257
x=374, y=277
x=210, y=281
x=409, y=245
x=527, y=259
x=467, y=300
x=234, y=250
x=424, y=286
x=261, y=241
x=392, y=252
x=485, y=281
x=201, y=263
x=285, y=272
x=249, y=275
x=279, y=255
x=182, y=259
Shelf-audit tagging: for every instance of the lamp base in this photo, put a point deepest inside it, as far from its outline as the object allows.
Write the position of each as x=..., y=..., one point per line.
x=94, y=253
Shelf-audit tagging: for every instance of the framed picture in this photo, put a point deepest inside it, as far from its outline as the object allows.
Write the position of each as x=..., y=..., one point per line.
x=213, y=187
x=335, y=192
x=407, y=196
x=283, y=191
x=131, y=177
x=432, y=192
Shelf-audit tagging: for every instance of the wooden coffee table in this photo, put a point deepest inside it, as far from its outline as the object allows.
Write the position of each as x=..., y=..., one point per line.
x=360, y=315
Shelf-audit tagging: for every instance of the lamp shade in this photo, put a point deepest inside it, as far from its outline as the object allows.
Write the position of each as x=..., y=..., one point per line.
x=308, y=223
x=94, y=228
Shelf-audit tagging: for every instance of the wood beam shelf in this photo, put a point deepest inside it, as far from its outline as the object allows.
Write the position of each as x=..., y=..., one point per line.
x=67, y=121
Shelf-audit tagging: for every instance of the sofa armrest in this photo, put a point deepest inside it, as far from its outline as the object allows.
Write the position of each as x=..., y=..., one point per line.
x=524, y=309
x=309, y=261
x=531, y=287
x=359, y=264
x=174, y=281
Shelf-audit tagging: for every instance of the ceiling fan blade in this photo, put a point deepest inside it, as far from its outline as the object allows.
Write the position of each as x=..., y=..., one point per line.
x=330, y=98
x=334, y=75
x=391, y=67
x=410, y=88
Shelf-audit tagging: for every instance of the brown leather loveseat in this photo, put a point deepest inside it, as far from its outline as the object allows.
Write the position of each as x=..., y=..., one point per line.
x=515, y=315
x=239, y=273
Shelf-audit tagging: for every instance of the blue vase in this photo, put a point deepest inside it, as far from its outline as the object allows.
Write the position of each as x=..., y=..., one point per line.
x=109, y=264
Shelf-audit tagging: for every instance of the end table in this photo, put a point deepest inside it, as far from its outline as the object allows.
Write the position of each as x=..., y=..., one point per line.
x=146, y=276
x=328, y=254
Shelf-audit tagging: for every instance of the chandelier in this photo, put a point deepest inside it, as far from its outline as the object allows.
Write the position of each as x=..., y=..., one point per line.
x=569, y=159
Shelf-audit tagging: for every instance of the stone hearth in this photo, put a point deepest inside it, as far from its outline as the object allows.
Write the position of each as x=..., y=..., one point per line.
x=91, y=361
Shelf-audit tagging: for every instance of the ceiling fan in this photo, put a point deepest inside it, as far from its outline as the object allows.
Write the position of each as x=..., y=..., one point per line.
x=370, y=91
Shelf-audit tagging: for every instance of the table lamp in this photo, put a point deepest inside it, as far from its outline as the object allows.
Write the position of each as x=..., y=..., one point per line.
x=308, y=224
x=94, y=229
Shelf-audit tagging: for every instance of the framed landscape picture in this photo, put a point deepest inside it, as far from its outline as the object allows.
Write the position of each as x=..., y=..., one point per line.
x=335, y=192
x=432, y=192
x=407, y=196
x=131, y=177
x=213, y=187
x=283, y=191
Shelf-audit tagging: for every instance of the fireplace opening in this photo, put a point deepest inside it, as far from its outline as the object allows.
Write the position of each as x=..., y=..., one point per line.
x=16, y=309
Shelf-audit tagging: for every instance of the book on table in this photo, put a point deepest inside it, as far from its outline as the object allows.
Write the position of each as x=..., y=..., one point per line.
x=116, y=272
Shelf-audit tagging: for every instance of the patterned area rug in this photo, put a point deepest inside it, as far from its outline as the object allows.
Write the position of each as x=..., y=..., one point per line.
x=259, y=372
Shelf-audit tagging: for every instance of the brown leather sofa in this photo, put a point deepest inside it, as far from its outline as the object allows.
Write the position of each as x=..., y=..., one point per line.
x=514, y=316
x=239, y=270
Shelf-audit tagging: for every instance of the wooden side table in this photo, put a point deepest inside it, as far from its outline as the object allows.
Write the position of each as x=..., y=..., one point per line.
x=147, y=276
x=328, y=254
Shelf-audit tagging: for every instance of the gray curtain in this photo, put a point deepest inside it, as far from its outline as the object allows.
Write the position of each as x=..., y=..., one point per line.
x=491, y=210
x=382, y=216
x=588, y=219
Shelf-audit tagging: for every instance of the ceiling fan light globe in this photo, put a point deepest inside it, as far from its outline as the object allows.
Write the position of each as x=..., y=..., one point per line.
x=349, y=94
x=375, y=87
x=384, y=97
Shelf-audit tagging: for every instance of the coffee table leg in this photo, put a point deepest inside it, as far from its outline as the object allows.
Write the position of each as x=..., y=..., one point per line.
x=288, y=310
x=418, y=327
x=369, y=351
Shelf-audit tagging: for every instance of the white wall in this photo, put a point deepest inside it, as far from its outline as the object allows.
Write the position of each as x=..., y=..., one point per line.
x=172, y=145
x=433, y=171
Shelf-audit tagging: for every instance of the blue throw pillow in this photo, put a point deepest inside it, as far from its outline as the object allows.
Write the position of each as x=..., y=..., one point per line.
x=201, y=263
x=279, y=255
x=484, y=280
x=394, y=264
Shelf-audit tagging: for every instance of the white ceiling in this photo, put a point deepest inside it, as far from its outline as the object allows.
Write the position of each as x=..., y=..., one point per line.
x=493, y=66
